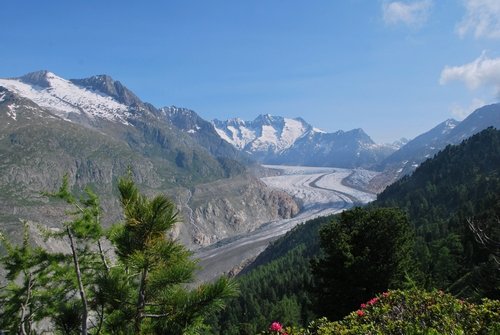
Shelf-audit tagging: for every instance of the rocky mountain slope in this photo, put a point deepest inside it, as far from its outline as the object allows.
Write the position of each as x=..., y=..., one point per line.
x=203, y=132
x=141, y=126
x=279, y=140
x=94, y=130
x=409, y=157
x=219, y=209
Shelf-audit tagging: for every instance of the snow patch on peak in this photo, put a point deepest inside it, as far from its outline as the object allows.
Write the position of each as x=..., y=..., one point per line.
x=52, y=75
x=102, y=77
x=236, y=121
x=194, y=130
x=292, y=130
x=238, y=136
x=38, y=78
x=2, y=96
x=64, y=98
x=266, y=133
x=266, y=140
x=12, y=111
x=226, y=137
x=449, y=125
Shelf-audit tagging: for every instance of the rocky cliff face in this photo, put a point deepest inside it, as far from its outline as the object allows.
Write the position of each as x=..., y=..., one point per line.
x=95, y=130
x=225, y=208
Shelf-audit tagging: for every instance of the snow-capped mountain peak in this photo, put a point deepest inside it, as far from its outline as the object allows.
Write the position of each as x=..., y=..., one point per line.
x=65, y=98
x=280, y=140
x=183, y=118
x=106, y=85
x=39, y=78
x=267, y=133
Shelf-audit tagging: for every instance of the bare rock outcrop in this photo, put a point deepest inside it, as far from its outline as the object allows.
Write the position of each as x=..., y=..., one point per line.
x=229, y=207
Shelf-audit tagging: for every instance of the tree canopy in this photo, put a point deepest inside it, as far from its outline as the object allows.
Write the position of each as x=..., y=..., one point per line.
x=364, y=252
x=146, y=288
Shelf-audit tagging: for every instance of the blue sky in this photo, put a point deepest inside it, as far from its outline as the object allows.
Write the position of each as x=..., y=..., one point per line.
x=393, y=68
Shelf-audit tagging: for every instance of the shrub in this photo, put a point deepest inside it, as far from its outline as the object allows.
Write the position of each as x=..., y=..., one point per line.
x=412, y=312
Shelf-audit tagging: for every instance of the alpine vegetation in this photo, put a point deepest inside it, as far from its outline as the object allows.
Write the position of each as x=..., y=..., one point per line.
x=140, y=285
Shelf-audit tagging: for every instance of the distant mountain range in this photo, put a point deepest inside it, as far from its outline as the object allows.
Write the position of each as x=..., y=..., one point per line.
x=101, y=104
x=95, y=129
x=197, y=150
x=280, y=140
x=426, y=145
x=203, y=133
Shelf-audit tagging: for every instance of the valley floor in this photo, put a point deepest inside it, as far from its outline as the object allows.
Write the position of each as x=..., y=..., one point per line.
x=321, y=191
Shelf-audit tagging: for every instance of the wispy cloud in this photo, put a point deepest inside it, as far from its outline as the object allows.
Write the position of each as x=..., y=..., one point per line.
x=461, y=112
x=482, y=18
x=482, y=72
x=413, y=14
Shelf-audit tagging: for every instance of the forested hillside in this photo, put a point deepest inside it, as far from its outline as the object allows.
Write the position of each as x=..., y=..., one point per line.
x=447, y=195
x=275, y=286
x=459, y=186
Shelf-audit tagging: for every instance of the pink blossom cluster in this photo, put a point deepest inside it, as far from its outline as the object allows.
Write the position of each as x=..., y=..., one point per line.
x=277, y=327
x=371, y=302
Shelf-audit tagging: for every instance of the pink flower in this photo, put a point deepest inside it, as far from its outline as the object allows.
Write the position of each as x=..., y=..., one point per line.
x=360, y=312
x=373, y=301
x=276, y=326
x=385, y=294
x=363, y=305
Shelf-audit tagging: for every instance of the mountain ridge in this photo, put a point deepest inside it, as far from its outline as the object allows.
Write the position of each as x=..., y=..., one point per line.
x=47, y=131
x=105, y=84
x=292, y=141
x=171, y=146
x=426, y=145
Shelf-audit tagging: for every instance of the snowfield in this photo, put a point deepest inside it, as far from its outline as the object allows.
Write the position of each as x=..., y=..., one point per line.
x=262, y=137
x=320, y=191
x=64, y=98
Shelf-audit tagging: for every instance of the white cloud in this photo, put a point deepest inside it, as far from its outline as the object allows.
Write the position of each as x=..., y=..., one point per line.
x=482, y=18
x=482, y=72
x=410, y=13
x=461, y=112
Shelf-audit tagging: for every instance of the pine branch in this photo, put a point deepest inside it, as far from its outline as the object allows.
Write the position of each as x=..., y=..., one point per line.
x=156, y=316
x=103, y=257
x=24, y=306
x=80, y=283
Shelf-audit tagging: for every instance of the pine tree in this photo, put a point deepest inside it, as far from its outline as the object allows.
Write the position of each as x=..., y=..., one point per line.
x=146, y=290
x=19, y=298
x=160, y=268
x=365, y=253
